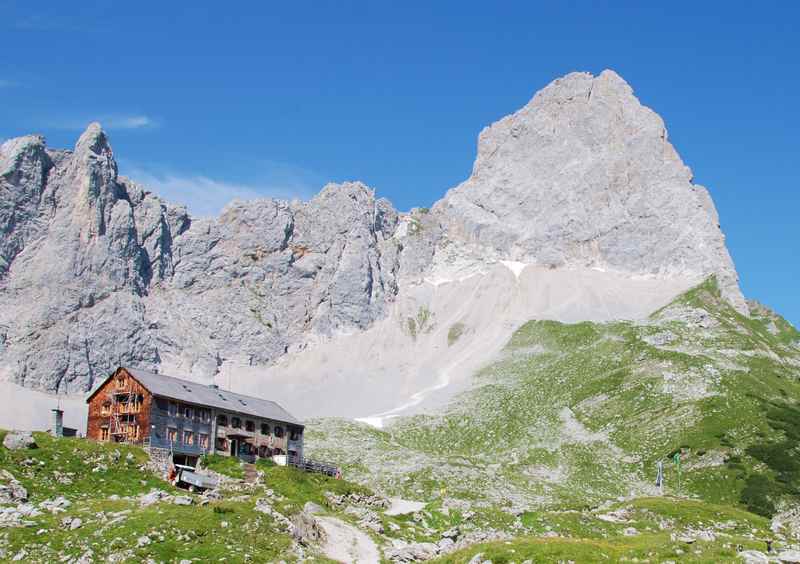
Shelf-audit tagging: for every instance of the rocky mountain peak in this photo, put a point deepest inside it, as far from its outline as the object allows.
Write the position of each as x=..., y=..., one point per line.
x=93, y=140
x=95, y=271
x=14, y=153
x=584, y=176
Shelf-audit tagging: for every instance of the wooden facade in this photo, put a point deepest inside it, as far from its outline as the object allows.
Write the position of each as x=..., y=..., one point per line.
x=119, y=410
x=123, y=409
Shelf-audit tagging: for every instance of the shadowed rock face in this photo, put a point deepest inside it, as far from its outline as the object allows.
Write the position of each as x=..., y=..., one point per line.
x=96, y=272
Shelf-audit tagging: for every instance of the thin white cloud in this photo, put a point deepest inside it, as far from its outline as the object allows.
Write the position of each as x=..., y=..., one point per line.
x=110, y=122
x=205, y=196
x=129, y=122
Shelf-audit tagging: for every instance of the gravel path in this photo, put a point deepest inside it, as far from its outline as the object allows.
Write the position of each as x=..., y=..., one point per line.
x=345, y=543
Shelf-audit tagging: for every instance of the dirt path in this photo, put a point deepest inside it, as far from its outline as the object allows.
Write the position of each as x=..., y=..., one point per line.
x=345, y=543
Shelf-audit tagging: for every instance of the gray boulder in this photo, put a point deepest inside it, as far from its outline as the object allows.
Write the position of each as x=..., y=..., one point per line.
x=16, y=440
x=415, y=552
x=306, y=530
x=753, y=557
x=789, y=555
x=312, y=508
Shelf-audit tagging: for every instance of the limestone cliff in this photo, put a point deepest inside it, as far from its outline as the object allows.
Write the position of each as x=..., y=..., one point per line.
x=584, y=175
x=95, y=271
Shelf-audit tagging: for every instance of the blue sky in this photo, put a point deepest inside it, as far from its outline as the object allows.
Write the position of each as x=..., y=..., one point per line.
x=204, y=103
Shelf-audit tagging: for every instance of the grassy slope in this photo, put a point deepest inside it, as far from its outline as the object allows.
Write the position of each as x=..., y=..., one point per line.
x=660, y=524
x=176, y=532
x=573, y=415
x=570, y=417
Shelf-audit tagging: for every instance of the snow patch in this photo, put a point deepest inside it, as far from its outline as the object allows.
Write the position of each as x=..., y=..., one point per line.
x=514, y=266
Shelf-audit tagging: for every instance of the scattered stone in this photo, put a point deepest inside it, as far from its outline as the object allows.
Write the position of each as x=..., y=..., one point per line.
x=446, y=545
x=451, y=533
x=57, y=505
x=660, y=339
x=312, y=508
x=264, y=505
x=212, y=494
x=16, y=440
x=85, y=558
x=306, y=530
x=182, y=500
x=154, y=496
x=617, y=516
x=11, y=492
x=630, y=532
x=143, y=541
x=789, y=555
x=413, y=552
x=754, y=557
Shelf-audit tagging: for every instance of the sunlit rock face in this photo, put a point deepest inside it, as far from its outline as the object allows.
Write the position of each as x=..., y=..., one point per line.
x=96, y=272
x=584, y=176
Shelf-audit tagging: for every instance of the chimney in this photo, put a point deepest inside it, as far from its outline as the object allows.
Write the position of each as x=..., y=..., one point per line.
x=58, y=423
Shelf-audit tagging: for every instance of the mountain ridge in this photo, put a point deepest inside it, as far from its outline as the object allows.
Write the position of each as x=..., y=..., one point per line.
x=96, y=271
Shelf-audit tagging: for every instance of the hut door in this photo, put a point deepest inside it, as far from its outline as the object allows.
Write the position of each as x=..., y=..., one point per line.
x=234, y=447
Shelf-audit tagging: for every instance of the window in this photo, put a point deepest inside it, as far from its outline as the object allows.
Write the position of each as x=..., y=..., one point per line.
x=103, y=433
x=137, y=403
x=188, y=438
x=249, y=426
x=122, y=381
x=205, y=415
x=236, y=423
x=265, y=428
x=203, y=441
x=187, y=412
x=173, y=408
x=295, y=434
x=106, y=408
x=172, y=435
x=278, y=431
x=222, y=420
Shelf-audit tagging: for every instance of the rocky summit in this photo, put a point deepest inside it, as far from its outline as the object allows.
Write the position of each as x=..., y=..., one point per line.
x=584, y=175
x=582, y=183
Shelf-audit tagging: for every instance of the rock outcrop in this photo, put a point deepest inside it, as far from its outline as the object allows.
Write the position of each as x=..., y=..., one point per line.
x=584, y=176
x=95, y=271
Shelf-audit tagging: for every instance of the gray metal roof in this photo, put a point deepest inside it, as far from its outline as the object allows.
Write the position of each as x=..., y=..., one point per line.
x=192, y=392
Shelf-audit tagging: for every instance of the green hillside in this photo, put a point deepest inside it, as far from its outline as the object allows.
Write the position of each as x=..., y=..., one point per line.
x=573, y=415
x=103, y=485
